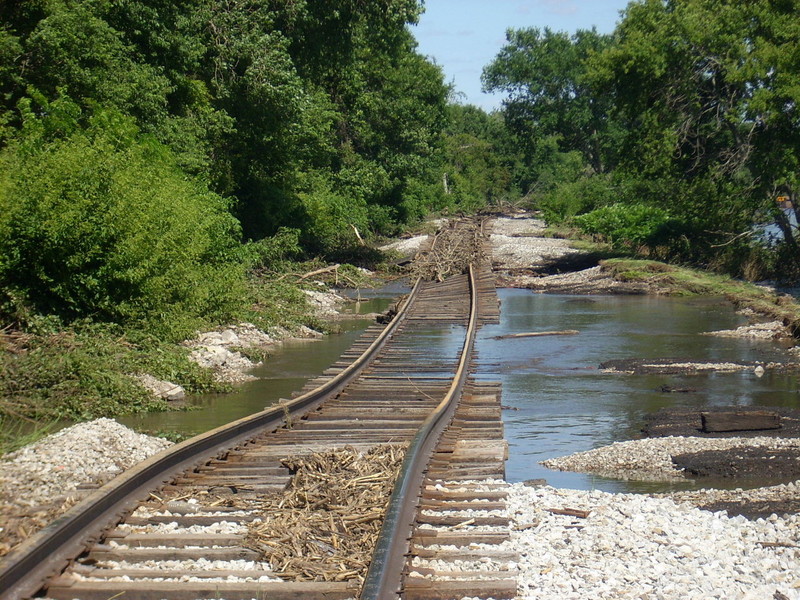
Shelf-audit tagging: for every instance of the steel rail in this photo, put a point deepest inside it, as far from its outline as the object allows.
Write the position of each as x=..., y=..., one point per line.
x=384, y=577
x=23, y=571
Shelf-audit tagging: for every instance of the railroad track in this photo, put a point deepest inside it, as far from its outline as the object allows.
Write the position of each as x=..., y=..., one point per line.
x=176, y=526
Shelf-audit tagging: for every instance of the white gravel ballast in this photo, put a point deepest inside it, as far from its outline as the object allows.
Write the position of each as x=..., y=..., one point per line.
x=650, y=459
x=639, y=547
x=83, y=453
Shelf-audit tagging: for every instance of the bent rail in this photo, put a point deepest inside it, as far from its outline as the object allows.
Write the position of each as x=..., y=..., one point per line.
x=383, y=578
x=25, y=569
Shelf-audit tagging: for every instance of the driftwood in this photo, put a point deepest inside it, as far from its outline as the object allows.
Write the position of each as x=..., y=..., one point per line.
x=358, y=235
x=751, y=420
x=455, y=247
x=320, y=271
x=570, y=512
x=536, y=334
x=667, y=389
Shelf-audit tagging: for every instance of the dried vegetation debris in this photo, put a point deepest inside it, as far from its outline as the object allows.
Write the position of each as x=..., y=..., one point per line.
x=456, y=246
x=324, y=526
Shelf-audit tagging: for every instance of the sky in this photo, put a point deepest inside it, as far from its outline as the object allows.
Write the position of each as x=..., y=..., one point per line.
x=463, y=36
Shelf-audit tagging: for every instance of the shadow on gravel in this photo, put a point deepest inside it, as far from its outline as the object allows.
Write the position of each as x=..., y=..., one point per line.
x=758, y=509
x=570, y=263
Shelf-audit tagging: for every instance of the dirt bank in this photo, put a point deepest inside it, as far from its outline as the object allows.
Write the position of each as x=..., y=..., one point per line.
x=741, y=464
x=524, y=257
x=688, y=422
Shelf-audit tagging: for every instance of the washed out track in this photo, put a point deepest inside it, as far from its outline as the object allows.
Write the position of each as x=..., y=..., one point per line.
x=409, y=383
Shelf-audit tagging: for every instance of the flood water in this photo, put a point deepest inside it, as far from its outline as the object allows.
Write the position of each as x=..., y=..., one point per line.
x=286, y=370
x=558, y=401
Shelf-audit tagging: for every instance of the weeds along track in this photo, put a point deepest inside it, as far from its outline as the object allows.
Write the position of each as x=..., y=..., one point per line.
x=353, y=488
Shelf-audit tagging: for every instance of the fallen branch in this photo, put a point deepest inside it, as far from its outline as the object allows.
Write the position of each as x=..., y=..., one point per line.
x=536, y=334
x=319, y=271
x=570, y=512
x=358, y=235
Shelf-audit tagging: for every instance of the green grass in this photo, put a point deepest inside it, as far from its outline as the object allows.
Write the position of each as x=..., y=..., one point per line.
x=681, y=281
x=51, y=372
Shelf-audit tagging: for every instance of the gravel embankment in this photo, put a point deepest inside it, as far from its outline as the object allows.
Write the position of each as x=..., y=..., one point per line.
x=634, y=546
x=84, y=453
x=517, y=242
x=40, y=481
x=651, y=459
x=522, y=258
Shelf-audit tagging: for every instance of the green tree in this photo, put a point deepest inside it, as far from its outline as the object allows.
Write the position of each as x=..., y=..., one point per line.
x=102, y=222
x=545, y=75
x=480, y=163
x=707, y=92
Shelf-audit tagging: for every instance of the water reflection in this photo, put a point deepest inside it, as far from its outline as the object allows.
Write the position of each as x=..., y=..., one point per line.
x=286, y=371
x=562, y=403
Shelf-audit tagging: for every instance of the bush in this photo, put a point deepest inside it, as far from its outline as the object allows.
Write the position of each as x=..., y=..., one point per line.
x=103, y=223
x=625, y=226
x=566, y=200
x=331, y=217
x=273, y=252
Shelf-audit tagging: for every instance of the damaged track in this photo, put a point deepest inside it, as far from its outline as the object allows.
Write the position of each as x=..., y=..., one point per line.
x=380, y=392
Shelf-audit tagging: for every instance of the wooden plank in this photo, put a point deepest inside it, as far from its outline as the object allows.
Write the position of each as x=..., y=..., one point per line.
x=101, y=552
x=191, y=590
x=465, y=553
x=455, y=537
x=145, y=540
x=419, y=588
x=189, y=520
x=749, y=420
x=443, y=519
x=464, y=494
x=100, y=573
x=432, y=504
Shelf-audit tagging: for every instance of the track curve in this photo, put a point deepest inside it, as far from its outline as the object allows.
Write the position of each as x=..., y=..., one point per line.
x=378, y=383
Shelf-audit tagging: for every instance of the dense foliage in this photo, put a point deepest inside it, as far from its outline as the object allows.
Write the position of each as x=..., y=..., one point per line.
x=143, y=142
x=674, y=135
x=101, y=221
x=158, y=160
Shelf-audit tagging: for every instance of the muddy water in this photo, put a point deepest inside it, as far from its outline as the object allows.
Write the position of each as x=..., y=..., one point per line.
x=286, y=370
x=558, y=401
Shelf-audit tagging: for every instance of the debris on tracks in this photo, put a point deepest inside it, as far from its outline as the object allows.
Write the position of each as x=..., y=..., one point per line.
x=325, y=525
x=456, y=246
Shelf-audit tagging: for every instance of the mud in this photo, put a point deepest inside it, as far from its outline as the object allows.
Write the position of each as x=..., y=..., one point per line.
x=757, y=509
x=687, y=422
x=740, y=464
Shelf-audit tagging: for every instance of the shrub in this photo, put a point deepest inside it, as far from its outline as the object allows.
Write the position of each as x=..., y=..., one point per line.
x=272, y=252
x=566, y=200
x=103, y=223
x=624, y=225
x=331, y=217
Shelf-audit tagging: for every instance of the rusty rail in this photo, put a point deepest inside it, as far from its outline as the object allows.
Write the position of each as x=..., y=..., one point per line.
x=25, y=569
x=383, y=578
